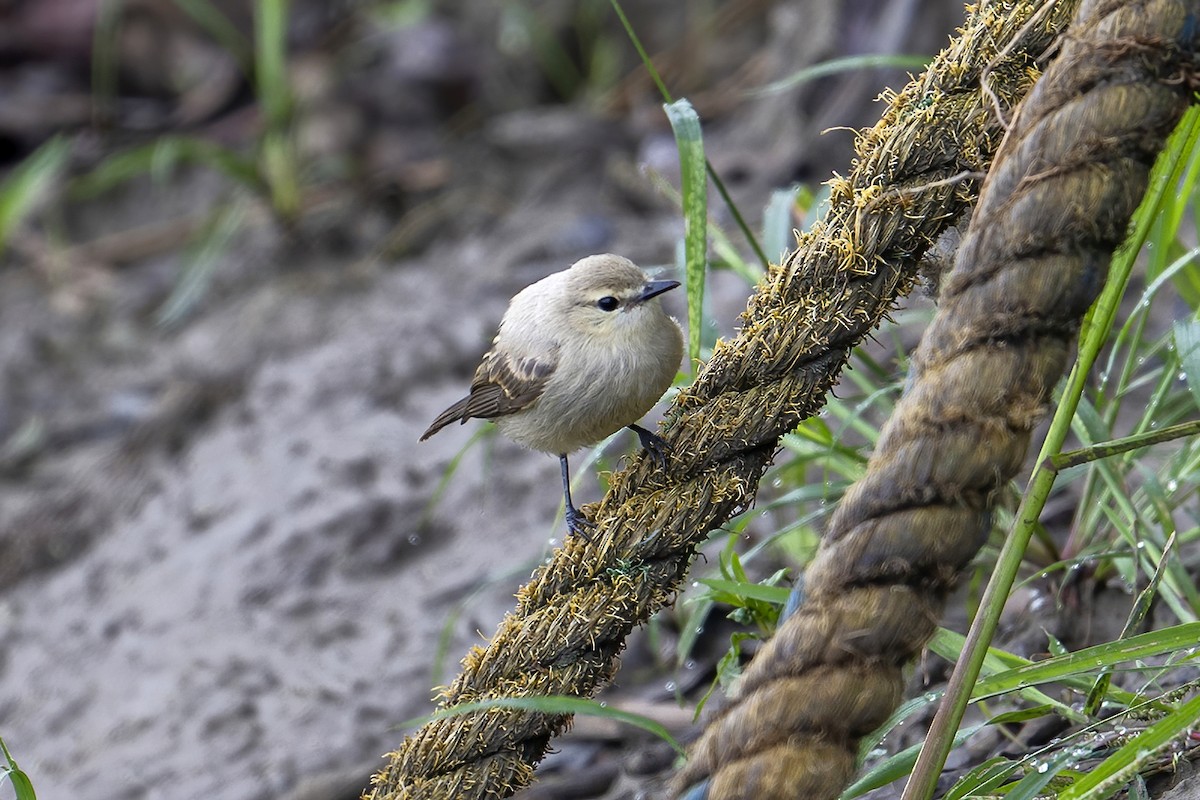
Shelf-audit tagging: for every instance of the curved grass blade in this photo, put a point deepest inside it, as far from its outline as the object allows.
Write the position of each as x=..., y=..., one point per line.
x=556, y=704
x=836, y=65
x=1187, y=345
x=898, y=766
x=200, y=262
x=22, y=786
x=1122, y=765
x=158, y=159
x=217, y=25
x=1039, y=773
x=25, y=186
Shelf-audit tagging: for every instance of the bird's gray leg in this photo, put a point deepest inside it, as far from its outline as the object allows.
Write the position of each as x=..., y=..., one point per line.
x=653, y=444
x=576, y=521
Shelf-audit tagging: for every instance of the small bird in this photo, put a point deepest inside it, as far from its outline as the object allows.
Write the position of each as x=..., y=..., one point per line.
x=579, y=355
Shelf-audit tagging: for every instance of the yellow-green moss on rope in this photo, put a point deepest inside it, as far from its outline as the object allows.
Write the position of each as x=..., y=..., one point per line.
x=913, y=176
x=1056, y=203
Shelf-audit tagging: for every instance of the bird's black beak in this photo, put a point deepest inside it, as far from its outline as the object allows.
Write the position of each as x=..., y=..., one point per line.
x=655, y=288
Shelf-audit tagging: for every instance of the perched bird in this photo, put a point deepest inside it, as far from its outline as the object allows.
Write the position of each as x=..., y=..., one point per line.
x=580, y=354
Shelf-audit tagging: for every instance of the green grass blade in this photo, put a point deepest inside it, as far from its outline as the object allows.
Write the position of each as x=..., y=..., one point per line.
x=1110, y=774
x=1081, y=663
x=776, y=595
x=1125, y=444
x=1187, y=346
x=694, y=188
x=1039, y=773
x=897, y=766
x=556, y=704
x=981, y=780
x=205, y=14
x=160, y=157
x=778, y=223
x=997, y=663
x=836, y=65
x=104, y=60
x=200, y=262
x=20, y=781
x=651, y=70
x=27, y=184
x=277, y=148
x=270, y=61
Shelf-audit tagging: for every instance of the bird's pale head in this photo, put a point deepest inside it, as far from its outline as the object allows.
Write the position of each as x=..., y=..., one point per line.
x=610, y=296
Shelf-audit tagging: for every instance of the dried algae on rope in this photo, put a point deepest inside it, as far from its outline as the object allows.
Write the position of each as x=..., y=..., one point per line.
x=914, y=175
x=1056, y=204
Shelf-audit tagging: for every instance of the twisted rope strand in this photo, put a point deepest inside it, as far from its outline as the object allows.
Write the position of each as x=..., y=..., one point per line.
x=571, y=620
x=1056, y=204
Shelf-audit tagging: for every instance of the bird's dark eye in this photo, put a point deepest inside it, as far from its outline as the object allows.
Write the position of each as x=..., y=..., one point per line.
x=608, y=303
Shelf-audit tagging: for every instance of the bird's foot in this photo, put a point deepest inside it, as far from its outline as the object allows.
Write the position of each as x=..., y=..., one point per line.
x=654, y=445
x=578, y=524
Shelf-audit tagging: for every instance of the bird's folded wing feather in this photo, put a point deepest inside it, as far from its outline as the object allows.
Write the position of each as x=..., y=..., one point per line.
x=503, y=384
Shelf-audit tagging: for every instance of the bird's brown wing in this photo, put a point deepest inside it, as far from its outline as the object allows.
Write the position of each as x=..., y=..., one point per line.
x=503, y=385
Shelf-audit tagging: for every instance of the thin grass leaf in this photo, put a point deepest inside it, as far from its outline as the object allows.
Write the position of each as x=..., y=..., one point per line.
x=104, y=59
x=200, y=263
x=897, y=766
x=1187, y=347
x=158, y=159
x=446, y=636
x=481, y=432
x=1084, y=662
x=270, y=61
x=1039, y=773
x=642, y=54
x=692, y=626
x=1022, y=715
x=725, y=254
x=1141, y=607
x=906, y=710
x=558, y=66
x=694, y=187
x=1110, y=774
x=210, y=18
x=1187, y=283
x=1125, y=444
x=949, y=645
x=729, y=669
x=779, y=222
x=400, y=14
x=745, y=590
x=981, y=780
x=836, y=65
x=277, y=148
x=26, y=185
x=555, y=704
x=22, y=786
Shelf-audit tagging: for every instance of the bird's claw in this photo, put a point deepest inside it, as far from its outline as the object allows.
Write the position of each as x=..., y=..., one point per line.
x=654, y=445
x=578, y=524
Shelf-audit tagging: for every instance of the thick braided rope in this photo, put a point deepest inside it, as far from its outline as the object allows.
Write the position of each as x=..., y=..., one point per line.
x=1055, y=205
x=573, y=616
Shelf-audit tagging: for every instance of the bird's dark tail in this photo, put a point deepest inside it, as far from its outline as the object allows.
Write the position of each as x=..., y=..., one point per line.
x=455, y=413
